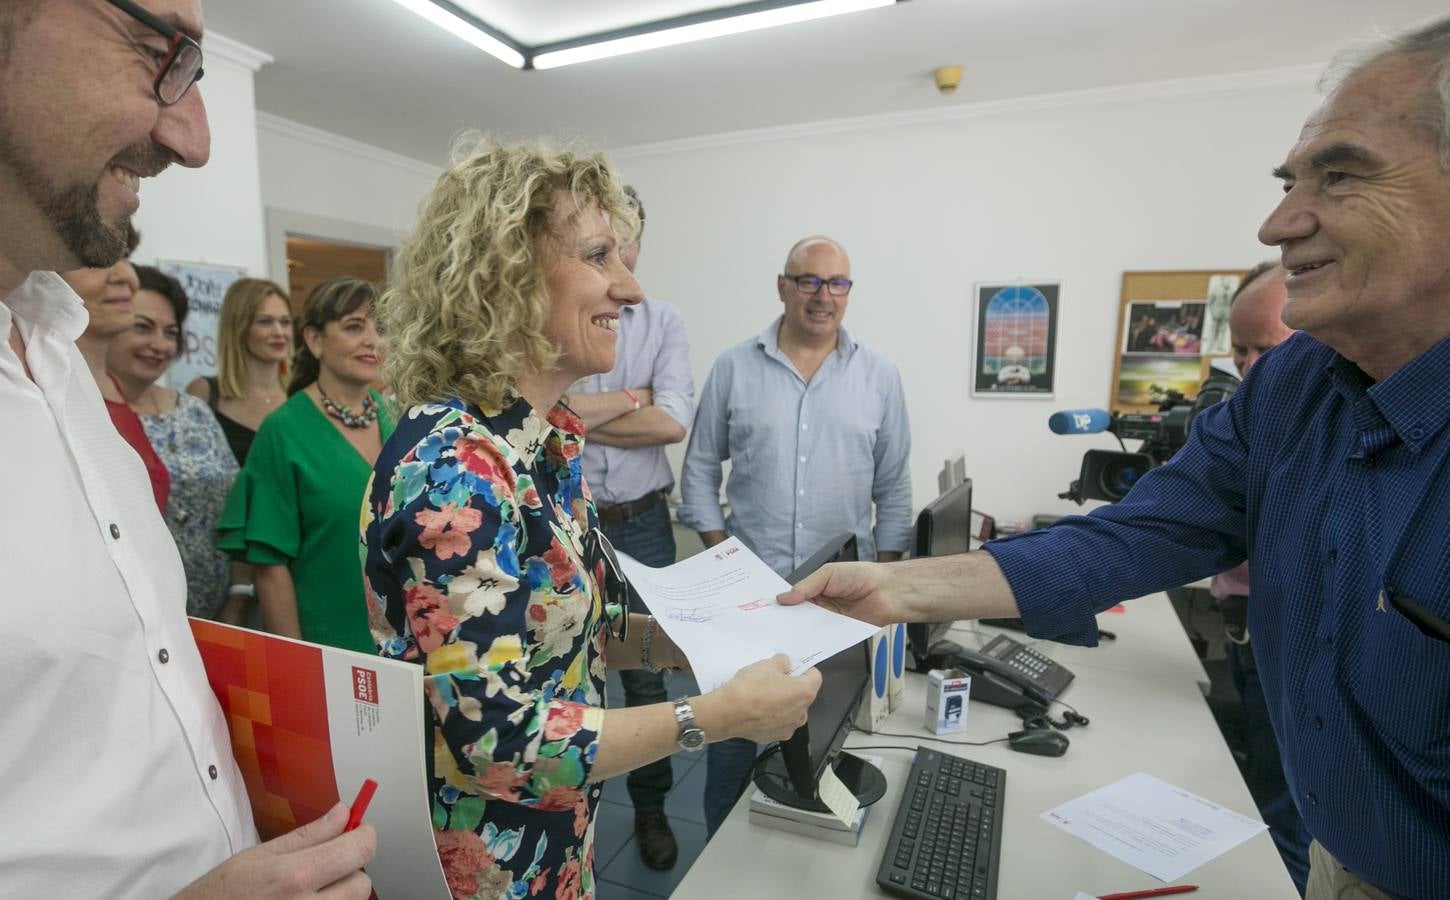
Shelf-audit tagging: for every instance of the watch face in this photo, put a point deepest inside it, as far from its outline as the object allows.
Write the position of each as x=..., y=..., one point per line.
x=692, y=739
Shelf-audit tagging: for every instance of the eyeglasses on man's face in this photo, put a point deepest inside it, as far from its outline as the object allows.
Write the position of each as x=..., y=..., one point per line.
x=809, y=284
x=179, y=65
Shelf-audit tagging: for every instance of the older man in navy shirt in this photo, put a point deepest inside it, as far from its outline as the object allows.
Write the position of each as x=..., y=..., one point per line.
x=1329, y=471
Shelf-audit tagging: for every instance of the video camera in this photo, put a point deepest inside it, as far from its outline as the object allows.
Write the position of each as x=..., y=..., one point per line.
x=1110, y=474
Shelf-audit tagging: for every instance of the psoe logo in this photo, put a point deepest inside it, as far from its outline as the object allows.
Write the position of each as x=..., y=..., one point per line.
x=365, y=685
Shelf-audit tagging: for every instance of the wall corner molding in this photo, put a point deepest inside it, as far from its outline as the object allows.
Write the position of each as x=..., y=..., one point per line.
x=244, y=55
x=293, y=129
x=1236, y=82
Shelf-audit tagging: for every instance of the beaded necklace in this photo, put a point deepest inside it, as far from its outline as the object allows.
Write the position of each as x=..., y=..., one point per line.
x=346, y=416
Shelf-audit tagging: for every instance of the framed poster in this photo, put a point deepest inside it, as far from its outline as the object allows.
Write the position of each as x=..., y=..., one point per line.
x=205, y=286
x=1171, y=327
x=1016, y=346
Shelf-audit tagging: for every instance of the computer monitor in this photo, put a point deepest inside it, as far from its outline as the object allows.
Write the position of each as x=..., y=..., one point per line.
x=943, y=528
x=789, y=774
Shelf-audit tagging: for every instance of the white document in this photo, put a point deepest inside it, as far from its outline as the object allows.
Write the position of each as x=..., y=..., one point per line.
x=1153, y=826
x=719, y=607
x=1081, y=896
x=837, y=797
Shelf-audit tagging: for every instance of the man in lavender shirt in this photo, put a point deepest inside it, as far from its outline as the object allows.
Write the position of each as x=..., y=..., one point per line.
x=632, y=412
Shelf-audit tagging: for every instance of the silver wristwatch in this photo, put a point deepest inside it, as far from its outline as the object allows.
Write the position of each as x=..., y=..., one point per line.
x=691, y=737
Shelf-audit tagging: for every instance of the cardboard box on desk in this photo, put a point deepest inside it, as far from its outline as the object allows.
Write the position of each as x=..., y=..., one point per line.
x=947, y=692
x=876, y=705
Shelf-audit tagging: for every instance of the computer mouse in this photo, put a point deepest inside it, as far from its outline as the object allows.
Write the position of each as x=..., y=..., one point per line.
x=1042, y=741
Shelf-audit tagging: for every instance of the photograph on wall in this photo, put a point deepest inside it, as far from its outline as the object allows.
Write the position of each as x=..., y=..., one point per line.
x=205, y=286
x=1172, y=326
x=1016, y=347
x=1146, y=380
x=1215, y=327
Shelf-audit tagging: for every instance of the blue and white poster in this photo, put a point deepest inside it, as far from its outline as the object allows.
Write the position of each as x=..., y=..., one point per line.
x=205, y=286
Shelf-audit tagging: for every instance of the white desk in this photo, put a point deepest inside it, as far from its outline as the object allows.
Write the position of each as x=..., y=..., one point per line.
x=1150, y=641
x=1148, y=715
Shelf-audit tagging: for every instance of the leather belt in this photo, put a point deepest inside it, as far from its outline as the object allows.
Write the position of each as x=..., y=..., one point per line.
x=620, y=512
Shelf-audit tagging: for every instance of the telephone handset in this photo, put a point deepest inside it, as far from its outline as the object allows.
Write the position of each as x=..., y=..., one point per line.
x=1005, y=672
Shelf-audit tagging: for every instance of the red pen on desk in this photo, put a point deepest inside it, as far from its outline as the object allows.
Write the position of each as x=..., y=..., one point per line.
x=360, y=805
x=1152, y=892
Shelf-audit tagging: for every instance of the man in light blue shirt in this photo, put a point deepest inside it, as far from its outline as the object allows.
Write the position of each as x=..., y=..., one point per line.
x=815, y=427
x=645, y=402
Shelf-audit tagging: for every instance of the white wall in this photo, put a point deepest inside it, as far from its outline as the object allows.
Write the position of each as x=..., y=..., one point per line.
x=213, y=214
x=319, y=174
x=1073, y=188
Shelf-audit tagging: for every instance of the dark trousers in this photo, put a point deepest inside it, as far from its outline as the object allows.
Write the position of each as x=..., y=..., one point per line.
x=649, y=538
x=1265, y=772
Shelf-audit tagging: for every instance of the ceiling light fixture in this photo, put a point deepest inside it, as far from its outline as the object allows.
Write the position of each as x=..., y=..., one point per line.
x=453, y=20
x=699, y=26
x=667, y=33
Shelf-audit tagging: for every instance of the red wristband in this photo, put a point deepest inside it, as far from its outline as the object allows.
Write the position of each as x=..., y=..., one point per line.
x=630, y=394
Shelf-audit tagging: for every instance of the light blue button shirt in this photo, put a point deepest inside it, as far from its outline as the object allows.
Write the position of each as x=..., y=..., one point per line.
x=806, y=460
x=654, y=352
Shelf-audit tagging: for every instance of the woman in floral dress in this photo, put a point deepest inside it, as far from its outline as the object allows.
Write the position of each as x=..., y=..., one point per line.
x=482, y=557
x=188, y=440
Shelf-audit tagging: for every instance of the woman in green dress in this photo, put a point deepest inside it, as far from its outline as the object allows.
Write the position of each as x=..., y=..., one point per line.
x=293, y=512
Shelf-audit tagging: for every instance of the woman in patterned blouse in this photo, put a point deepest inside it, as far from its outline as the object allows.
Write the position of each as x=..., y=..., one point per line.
x=188, y=440
x=481, y=557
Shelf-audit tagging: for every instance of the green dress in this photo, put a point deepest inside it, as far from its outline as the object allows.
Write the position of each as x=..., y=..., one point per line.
x=297, y=503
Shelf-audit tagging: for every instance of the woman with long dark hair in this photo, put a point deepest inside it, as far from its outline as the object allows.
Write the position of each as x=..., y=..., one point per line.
x=293, y=513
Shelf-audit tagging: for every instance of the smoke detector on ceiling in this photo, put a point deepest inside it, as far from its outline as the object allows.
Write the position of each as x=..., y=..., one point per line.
x=947, y=78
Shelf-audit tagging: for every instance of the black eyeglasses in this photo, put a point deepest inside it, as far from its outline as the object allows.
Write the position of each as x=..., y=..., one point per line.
x=180, y=65
x=809, y=284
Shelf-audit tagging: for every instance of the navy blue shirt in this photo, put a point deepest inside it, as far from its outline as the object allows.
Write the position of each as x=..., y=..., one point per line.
x=1337, y=491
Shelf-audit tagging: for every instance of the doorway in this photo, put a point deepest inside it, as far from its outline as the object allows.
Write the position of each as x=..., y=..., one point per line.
x=311, y=261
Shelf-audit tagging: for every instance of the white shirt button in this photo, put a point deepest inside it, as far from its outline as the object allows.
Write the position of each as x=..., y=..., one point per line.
x=804, y=426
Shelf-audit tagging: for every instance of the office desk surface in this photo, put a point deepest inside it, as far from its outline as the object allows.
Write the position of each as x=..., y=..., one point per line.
x=1150, y=641
x=1152, y=720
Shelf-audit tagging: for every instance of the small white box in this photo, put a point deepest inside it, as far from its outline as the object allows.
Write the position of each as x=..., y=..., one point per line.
x=897, y=688
x=876, y=705
x=947, y=692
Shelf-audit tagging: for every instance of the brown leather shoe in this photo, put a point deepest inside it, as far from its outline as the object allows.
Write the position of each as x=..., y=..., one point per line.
x=656, y=841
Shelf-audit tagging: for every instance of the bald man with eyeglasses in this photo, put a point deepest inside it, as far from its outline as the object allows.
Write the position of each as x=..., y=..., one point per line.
x=815, y=426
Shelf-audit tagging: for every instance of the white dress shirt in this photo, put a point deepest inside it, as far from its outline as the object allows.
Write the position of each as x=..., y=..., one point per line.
x=116, y=772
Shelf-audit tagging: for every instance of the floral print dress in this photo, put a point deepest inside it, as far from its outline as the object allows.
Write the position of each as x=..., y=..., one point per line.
x=474, y=536
x=191, y=445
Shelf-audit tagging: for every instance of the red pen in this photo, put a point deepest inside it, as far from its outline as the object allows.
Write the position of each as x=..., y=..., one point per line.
x=1152, y=892
x=360, y=805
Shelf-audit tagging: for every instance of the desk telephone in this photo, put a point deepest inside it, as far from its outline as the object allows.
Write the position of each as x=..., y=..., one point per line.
x=1004, y=672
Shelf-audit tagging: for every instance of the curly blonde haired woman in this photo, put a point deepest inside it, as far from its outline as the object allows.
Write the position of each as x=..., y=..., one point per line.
x=482, y=557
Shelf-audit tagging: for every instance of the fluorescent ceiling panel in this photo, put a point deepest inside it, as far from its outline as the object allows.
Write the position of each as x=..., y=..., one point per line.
x=535, y=23
x=469, y=31
x=686, y=21
x=700, y=31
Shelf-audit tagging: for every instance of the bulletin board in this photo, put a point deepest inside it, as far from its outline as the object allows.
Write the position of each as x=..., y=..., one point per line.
x=1171, y=327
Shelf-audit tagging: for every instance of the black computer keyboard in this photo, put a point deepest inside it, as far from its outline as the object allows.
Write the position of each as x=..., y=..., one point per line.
x=946, y=839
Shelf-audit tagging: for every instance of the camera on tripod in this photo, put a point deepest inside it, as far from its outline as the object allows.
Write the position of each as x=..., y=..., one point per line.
x=1110, y=474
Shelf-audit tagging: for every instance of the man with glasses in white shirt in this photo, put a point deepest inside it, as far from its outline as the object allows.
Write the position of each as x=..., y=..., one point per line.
x=119, y=776
x=815, y=427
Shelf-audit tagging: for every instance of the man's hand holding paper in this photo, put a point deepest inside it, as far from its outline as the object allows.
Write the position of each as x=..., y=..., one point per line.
x=719, y=608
